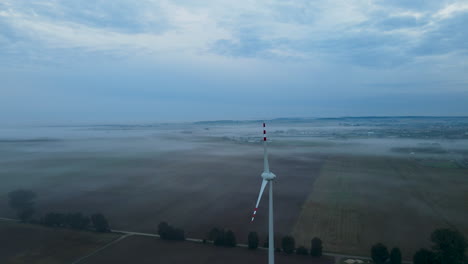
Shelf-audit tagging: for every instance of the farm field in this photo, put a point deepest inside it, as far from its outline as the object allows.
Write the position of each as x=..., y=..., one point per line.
x=33, y=244
x=358, y=201
x=149, y=250
x=335, y=182
x=195, y=190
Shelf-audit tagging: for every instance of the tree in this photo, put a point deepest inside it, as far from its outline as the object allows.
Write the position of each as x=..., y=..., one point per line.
x=288, y=244
x=253, y=240
x=220, y=238
x=395, y=256
x=100, y=223
x=71, y=220
x=168, y=232
x=301, y=251
x=449, y=246
x=23, y=202
x=379, y=253
x=424, y=256
x=213, y=234
x=316, y=247
x=77, y=220
x=230, y=239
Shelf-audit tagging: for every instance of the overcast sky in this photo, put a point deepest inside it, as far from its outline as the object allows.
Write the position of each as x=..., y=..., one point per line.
x=76, y=61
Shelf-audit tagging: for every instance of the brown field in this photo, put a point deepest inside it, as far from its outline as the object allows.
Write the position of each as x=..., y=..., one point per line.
x=32, y=244
x=196, y=191
x=149, y=250
x=336, y=190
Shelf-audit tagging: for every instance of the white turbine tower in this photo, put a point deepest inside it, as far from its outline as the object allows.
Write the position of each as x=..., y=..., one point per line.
x=268, y=177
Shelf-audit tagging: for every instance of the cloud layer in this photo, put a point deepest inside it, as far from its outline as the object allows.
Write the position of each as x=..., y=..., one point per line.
x=352, y=48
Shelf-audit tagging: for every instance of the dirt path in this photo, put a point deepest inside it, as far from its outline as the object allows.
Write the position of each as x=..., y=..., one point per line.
x=101, y=249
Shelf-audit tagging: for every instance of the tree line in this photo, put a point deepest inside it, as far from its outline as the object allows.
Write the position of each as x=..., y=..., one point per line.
x=227, y=238
x=22, y=201
x=448, y=247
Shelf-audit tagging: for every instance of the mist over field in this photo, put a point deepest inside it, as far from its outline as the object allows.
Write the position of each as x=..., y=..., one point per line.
x=206, y=174
x=125, y=124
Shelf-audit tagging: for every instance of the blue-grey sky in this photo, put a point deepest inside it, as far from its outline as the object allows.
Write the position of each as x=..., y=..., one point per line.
x=75, y=61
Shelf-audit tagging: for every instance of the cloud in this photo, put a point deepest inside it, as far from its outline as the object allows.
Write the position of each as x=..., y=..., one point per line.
x=449, y=36
x=266, y=30
x=451, y=10
x=184, y=55
x=189, y=31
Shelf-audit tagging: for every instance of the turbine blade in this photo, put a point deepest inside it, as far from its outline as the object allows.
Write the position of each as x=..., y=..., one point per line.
x=264, y=183
x=266, y=167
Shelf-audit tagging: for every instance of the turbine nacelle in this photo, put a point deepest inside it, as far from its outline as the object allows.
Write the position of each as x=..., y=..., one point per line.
x=268, y=176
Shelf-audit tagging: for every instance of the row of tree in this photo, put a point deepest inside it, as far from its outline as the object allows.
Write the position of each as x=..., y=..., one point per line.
x=380, y=254
x=22, y=201
x=221, y=237
x=449, y=247
x=288, y=245
x=76, y=221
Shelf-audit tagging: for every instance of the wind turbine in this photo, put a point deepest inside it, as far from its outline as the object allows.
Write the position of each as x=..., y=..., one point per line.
x=268, y=177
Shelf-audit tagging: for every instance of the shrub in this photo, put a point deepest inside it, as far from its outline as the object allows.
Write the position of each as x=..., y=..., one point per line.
x=316, y=247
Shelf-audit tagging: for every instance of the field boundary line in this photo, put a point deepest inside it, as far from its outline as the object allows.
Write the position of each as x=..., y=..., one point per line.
x=101, y=248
